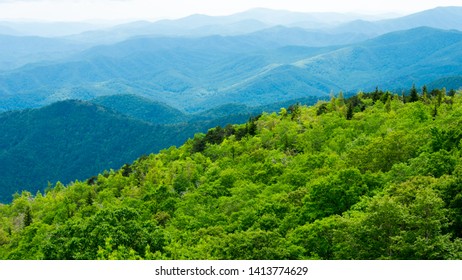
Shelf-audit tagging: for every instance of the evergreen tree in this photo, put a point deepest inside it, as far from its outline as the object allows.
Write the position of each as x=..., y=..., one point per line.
x=424, y=90
x=377, y=94
x=349, y=114
x=414, y=96
x=27, y=217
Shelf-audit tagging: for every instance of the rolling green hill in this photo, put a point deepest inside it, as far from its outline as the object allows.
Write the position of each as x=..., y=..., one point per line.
x=72, y=140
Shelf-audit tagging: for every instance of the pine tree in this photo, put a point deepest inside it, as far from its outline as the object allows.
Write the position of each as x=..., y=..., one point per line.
x=413, y=96
x=349, y=114
x=376, y=95
x=27, y=217
x=424, y=90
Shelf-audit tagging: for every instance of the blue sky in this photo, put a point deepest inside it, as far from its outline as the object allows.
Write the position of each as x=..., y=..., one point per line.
x=74, y=10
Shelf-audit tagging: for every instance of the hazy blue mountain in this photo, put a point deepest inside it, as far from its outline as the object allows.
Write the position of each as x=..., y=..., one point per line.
x=272, y=17
x=394, y=60
x=296, y=36
x=16, y=51
x=281, y=83
x=197, y=74
x=269, y=17
x=236, y=24
x=46, y=29
x=173, y=28
x=454, y=82
x=177, y=71
x=6, y=30
x=142, y=108
x=442, y=18
x=430, y=54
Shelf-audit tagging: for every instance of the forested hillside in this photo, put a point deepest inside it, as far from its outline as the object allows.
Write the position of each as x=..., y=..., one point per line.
x=376, y=176
x=73, y=140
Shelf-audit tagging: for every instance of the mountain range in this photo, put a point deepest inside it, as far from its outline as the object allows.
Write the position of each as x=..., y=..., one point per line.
x=76, y=103
x=195, y=74
x=441, y=18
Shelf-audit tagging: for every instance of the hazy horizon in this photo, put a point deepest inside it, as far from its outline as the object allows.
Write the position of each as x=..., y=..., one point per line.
x=106, y=11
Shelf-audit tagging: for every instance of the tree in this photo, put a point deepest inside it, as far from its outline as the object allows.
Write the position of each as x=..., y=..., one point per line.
x=414, y=96
x=294, y=111
x=388, y=104
x=349, y=114
x=322, y=109
x=377, y=94
x=424, y=90
x=27, y=217
x=340, y=100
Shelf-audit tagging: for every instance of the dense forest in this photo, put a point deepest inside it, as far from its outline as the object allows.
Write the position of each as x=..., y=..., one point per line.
x=374, y=176
x=73, y=139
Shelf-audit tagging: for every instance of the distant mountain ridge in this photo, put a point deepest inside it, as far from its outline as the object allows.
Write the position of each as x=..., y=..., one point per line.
x=199, y=25
x=197, y=74
x=446, y=18
x=17, y=51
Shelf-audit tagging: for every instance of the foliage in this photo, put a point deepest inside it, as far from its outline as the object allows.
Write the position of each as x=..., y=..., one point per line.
x=72, y=140
x=370, y=177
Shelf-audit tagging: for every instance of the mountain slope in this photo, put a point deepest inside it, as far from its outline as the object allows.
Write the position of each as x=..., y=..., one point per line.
x=71, y=140
x=394, y=60
x=195, y=74
x=46, y=29
x=74, y=139
x=142, y=109
x=177, y=71
x=16, y=51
